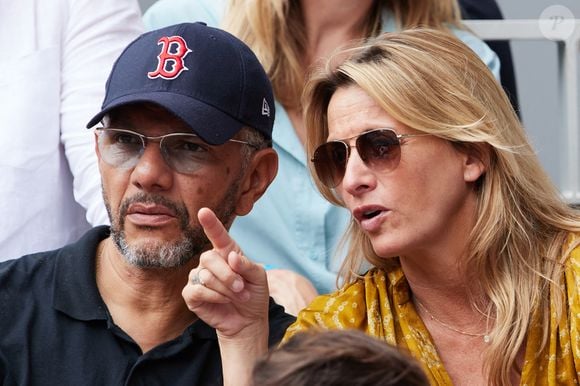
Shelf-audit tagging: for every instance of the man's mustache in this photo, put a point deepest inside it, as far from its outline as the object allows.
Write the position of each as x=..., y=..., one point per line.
x=148, y=199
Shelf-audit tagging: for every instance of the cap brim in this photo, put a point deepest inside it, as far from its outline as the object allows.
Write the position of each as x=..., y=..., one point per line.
x=211, y=124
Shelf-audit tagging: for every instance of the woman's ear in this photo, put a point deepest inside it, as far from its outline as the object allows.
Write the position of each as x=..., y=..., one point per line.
x=476, y=159
x=258, y=176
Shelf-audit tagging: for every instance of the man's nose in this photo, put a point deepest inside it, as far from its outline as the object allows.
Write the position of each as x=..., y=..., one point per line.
x=152, y=172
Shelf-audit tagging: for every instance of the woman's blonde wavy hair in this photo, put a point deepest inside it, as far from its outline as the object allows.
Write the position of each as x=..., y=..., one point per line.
x=274, y=30
x=431, y=82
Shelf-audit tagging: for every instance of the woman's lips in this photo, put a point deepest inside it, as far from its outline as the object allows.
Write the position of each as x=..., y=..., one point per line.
x=370, y=217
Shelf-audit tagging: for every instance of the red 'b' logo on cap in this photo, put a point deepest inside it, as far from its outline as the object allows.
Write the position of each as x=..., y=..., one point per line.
x=170, y=61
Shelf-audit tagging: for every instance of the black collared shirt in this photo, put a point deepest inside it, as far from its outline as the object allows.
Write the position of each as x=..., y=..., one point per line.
x=55, y=329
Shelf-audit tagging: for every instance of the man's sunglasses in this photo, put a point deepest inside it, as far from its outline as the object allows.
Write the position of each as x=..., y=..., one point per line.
x=379, y=149
x=183, y=152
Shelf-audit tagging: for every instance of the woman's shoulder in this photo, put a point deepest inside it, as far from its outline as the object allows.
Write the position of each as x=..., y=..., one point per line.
x=486, y=54
x=341, y=309
x=570, y=255
x=571, y=251
x=362, y=304
x=168, y=12
x=348, y=292
x=353, y=306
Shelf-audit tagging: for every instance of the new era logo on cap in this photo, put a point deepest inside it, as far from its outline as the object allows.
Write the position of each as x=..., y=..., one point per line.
x=203, y=75
x=265, y=108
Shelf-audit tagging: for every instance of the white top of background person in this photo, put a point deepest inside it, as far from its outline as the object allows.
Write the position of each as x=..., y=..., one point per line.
x=56, y=56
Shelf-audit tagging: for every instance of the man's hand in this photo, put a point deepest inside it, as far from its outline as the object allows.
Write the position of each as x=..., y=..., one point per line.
x=233, y=294
x=230, y=293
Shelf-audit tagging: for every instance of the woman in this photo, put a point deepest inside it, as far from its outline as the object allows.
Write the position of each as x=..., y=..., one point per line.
x=476, y=257
x=292, y=226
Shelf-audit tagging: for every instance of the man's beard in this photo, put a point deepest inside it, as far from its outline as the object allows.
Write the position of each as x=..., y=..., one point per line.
x=159, y=254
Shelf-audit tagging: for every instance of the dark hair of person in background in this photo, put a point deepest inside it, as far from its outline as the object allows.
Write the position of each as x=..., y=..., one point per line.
x=336, y=358
x=489, y=10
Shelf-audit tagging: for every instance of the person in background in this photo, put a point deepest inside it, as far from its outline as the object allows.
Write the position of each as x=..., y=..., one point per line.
x=475, y=255
x=292, y=227
x=55, y=59
x=185, y=140
x=489, y=10
x=337, y=358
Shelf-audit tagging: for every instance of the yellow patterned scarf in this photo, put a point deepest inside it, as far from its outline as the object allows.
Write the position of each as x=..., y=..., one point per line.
x=379, y=304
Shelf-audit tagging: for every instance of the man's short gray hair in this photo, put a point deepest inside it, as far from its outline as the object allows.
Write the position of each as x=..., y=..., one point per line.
x=257, y=141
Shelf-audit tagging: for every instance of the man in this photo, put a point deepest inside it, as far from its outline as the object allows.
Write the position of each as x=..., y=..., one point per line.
x=187, y=121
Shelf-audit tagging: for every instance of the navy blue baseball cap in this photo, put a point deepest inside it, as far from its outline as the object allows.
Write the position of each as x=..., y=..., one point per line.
x=205, y=76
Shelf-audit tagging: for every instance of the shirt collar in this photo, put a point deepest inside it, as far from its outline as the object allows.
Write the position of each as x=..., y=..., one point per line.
x=398, y=283
x=75, y=291
x=75, y=288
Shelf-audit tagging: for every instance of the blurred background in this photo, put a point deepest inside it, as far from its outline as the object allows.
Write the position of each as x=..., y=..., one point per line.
x=536, y=68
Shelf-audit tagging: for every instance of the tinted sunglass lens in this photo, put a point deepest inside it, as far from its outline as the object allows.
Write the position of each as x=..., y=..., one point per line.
x=329, y=162
x=380, y=148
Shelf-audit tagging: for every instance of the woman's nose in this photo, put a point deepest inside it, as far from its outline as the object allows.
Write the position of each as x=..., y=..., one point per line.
x=358, y=177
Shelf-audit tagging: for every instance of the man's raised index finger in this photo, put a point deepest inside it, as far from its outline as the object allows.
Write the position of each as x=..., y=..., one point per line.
x=216, y=232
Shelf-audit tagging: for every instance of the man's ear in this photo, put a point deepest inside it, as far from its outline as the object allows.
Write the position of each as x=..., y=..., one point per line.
x=475, y=161
x=258, y=176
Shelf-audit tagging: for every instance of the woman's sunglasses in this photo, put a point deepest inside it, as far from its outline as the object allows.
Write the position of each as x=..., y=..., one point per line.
x=379, y=149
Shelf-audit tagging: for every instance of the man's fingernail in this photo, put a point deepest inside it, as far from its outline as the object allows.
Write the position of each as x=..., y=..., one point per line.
x=237, y=285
